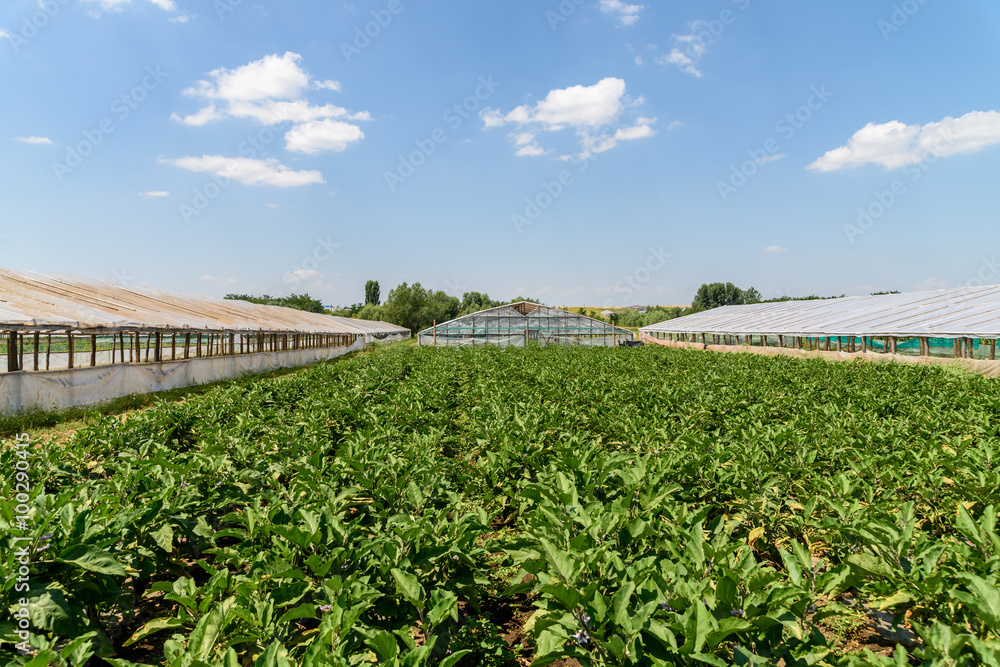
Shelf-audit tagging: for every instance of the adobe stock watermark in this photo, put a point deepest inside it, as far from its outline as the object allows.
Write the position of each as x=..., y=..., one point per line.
x=548, y=193
x=21, y=574
x=900, y=16
x=204, y=195
x=708, y=32
x=770, y=150
x=883, y=200
x=989, y=269
x=121, y=108
x=224, y=7
x=364, y=35
x=454, y=117
x=32, y=25
x=308, y=268
x=642, y=274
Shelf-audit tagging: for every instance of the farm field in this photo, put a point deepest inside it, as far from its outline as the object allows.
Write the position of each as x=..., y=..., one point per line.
x=457, y=507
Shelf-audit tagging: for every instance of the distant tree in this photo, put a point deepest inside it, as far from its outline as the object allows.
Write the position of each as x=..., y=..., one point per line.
x=297, y=301
x=885, y=293
x=416, y=308
x=372, y=293
x=716, y=295
x=473, y=302
x=752, y=296
x=347, y=311
x=371, y=312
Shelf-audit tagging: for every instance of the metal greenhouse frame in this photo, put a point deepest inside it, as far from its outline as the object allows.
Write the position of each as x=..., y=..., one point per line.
x=514, y=324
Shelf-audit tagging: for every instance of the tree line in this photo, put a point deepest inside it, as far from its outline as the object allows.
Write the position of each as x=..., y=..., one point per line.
x=417, y=308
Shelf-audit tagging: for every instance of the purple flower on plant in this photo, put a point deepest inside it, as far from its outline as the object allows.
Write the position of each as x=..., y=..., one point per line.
x=47, y=536
x=218, y=483
x=582, y=638
x=185, y=484
x=738, y=613
x=326, y=607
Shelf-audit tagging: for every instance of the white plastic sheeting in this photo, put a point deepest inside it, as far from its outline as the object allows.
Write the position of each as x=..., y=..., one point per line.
x=53, y=302
x=56, y=390
x=966, y=312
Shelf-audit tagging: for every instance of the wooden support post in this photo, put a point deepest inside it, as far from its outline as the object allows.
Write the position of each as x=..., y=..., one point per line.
x=198, y=348
x=69, y=347
x=232, y=343
x=93, y=350
x=158, y=342
x=955, y=344
x=20, y=351
x=892, y=345
x=35, y=341
x=12, y=352
x=840, y=345
x=48, y=350
x=993, y=349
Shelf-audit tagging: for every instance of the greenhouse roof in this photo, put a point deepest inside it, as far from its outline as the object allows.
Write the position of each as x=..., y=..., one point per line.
x=53, y=302
x=972, y=312
x=515, y=316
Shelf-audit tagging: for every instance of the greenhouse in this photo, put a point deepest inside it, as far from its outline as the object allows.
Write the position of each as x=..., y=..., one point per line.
x=70, y=341
x=959, y=323
x=514, y=324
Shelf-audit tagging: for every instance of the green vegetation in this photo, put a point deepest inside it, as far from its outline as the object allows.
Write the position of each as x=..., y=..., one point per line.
x=456, y=506
x=297, y=301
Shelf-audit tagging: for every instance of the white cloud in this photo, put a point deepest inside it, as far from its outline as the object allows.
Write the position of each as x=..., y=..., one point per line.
x=272, y=91
x=771, y=158
x=118, y=5
x=248, y=171
x=639, y=61
x=775, y=248
x=155, y=193
x=34, y=140
x=591, y=111
x=640, y=130
x=208, y=278
x=323, y=135
x=625, y=13
x=674, y=125
x=4, y=33
x=930, y=283
x=894, y=144
x=182, y=18
x=688, y=50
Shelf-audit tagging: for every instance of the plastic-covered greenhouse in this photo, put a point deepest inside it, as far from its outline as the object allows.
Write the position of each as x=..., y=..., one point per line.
x=72, y=341
x=514, y=324
x=961, y=323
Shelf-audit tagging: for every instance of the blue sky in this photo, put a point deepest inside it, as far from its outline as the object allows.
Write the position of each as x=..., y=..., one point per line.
x=584, y=152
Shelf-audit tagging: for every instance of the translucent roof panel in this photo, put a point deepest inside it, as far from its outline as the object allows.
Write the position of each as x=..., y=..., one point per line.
x=972, y=312
x=515, y=317
x=45, y=301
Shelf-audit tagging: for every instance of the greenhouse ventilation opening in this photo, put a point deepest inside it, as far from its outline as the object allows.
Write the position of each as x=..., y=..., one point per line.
x=961, y=323
x=70, y=341
x=513, y=324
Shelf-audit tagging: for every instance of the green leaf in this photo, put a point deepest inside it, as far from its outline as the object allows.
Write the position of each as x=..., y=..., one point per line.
x=894, y=600
x=92, y=559
x=384, y=645
x=274, y=656
x=965, y=525
x=453, y=659
x=164, y=537
x=559, y=559
x=295, y=613
x=409, y=586
x=157, y=624
x=871, y=565
x=727, y=590
x=619, y=605
x=205, y=633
